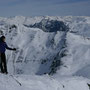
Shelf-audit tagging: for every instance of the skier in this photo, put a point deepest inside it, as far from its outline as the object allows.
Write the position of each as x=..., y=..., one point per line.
x=3, y=47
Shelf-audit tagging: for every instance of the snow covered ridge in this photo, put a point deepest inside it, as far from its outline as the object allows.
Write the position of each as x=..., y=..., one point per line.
x=50, y=25
x=48, y=45
x=59, y=46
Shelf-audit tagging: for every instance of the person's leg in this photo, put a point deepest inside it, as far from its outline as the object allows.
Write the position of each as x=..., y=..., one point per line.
x=4, y=63
x=1, y=63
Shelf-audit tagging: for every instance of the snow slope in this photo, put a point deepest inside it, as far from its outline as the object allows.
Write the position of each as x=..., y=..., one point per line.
x=47, y=45
x=29, y=82
x=35, y=46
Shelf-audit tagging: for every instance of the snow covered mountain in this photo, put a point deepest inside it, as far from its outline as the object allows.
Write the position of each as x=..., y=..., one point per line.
x=59, y=46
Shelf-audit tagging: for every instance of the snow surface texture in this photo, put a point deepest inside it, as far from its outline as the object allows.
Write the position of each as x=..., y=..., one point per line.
x=29, y=82
x=47, y=45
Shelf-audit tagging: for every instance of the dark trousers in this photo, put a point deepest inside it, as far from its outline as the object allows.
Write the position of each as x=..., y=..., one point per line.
x=3, y=64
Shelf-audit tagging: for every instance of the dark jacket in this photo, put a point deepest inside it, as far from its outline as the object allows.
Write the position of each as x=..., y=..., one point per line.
x=3, y=47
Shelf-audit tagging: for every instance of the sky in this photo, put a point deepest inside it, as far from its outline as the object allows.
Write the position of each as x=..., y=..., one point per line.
x=44, y=7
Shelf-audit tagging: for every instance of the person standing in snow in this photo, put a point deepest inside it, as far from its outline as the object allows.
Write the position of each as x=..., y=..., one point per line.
x=3, y=47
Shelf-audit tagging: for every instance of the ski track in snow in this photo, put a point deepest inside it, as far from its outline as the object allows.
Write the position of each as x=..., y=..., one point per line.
x=29, y=82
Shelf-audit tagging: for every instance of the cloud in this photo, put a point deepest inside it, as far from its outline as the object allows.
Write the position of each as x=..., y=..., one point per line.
x=69, y=1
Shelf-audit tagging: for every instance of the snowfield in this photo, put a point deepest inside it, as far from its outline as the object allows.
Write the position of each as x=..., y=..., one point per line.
x=29, y=82
x=53, y=53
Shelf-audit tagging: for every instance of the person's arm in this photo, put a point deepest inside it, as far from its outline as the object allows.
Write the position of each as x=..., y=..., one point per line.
x=10, y=48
